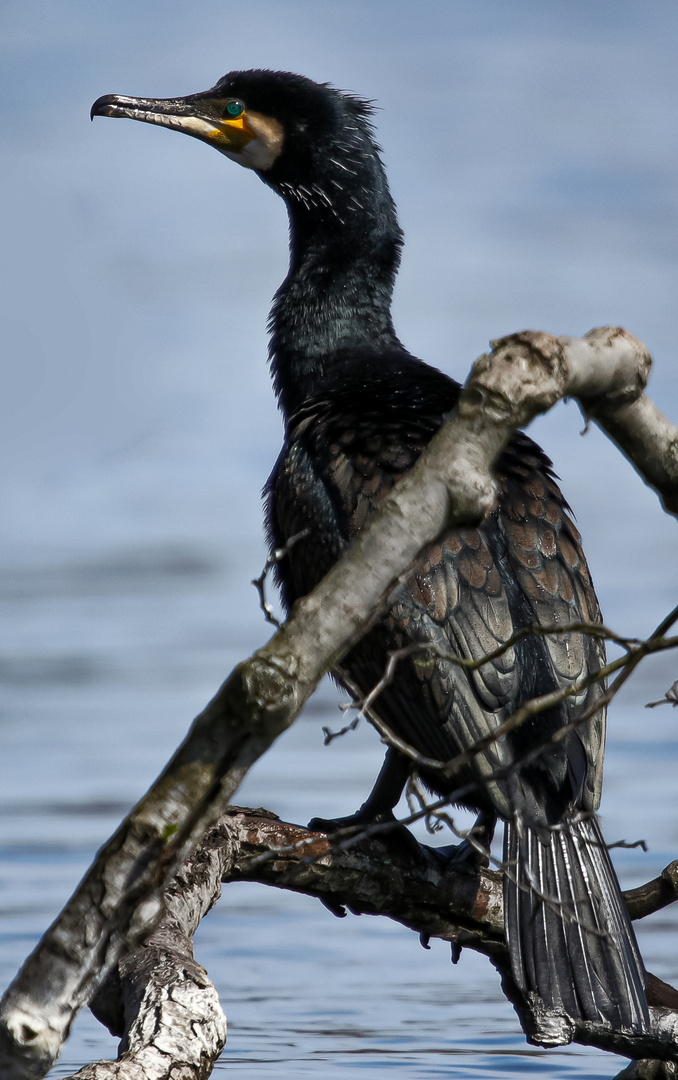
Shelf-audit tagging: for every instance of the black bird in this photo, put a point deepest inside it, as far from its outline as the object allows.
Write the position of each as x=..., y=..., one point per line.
x=358, y=410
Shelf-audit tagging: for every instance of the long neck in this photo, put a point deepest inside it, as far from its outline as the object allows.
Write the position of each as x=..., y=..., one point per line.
x=336, y=298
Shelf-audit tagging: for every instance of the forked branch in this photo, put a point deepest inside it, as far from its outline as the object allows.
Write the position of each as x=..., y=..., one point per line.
x=378, y=876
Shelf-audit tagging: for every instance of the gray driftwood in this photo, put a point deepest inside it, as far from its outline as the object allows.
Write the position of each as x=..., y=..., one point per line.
x=378, y=875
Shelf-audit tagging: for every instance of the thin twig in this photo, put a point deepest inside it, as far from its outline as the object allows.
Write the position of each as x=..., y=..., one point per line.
x=329, y=736
x=260, y=582
x=628, y=844
x=670, y=697
x=636, y=652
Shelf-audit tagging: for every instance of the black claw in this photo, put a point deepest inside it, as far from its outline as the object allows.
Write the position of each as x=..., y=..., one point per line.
x=336, y=909
x=332, y=825
x=461, y=855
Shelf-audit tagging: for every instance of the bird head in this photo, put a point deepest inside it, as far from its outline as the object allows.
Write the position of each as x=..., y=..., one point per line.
x=285, y=127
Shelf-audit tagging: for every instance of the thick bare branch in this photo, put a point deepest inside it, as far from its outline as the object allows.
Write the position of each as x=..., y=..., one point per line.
x=607, y=372
x=119, y=902
x=160, y=1000
x=649, y=1070
x=413, y=887
x=658, y=893
x=379, y=876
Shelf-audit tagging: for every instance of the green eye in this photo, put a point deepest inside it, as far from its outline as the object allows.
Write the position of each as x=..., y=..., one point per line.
x=235, y=108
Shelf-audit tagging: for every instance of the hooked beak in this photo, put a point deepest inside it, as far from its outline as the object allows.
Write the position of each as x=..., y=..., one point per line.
x=251, y=139
x=196, y=115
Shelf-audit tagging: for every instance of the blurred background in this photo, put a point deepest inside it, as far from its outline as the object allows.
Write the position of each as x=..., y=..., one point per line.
x=532, y=152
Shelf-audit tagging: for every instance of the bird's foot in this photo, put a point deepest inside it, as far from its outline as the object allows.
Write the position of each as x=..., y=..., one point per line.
x=332, y=825
x=383, y=826
x=473, y=853
x=465, y=855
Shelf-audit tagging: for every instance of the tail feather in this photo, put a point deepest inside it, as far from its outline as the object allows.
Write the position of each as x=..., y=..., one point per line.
x=568, y=931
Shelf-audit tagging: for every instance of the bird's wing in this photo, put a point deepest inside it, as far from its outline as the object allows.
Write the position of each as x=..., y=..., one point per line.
x=454, y=602
x=545, y=558
x=464, y=597
x=467, y=596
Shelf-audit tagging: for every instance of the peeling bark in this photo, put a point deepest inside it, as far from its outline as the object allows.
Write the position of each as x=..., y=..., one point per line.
x=378, y=875
x=160, y=1000
x=119, y=902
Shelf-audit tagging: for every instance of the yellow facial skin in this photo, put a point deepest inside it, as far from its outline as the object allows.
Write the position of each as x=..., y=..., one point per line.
x=235, y=134
x=251, y=139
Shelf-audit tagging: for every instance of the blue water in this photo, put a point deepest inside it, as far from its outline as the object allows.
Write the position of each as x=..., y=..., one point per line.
x=89, y=717
x=531, y=150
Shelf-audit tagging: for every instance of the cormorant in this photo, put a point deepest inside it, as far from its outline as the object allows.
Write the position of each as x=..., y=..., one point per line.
x=358, y=410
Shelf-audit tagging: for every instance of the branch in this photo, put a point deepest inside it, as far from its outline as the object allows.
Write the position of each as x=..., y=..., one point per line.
x=379, y=876
x=119, y=902
x=607, y=372
x=159, y=999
